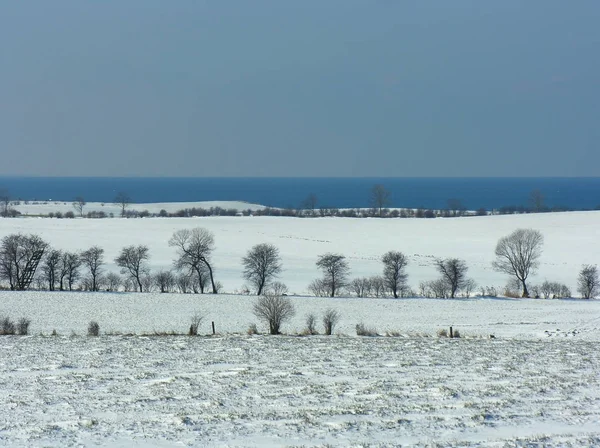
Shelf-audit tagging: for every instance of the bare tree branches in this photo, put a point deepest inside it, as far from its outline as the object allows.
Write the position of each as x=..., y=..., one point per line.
x=123, y=200
x=262, y=263
x=394, y=271
x=588, y=282
x=78, y=205
x=380, y=198
x=454, y=273
x=518, y=255
x=274, y=310
x=194, y=249
x=93, y=259
x=19, y=258
x=133, y=261
x=335, y=271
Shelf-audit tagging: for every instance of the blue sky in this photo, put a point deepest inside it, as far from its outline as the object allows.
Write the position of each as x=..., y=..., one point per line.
x=302, y=88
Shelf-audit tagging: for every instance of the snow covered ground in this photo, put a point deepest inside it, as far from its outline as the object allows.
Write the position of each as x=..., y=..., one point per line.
x=535, y=383
x=277, y=391
x=571, y=239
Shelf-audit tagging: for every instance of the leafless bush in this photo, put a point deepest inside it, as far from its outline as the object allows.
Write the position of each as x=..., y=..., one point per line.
x=184, y=283
x=113, y=281
x=554, y=290
x=439, y=289
x=311, y=321
x=330, y=319
x=196, y=321
x=23, y=326
x=252, y=329
x=378, y=286
x=445, y=334
x=274, y=310
x=512, y=289
x=164, y=281
x=588, y=282
x=362, y=330
x=361, y=287
x=319, y=288
x=278, y=289
x=218, y=288
x=7, y=326
x=469, y=286
x=93, y=328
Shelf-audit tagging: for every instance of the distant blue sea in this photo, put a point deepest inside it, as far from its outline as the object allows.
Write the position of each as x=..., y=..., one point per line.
x=490, y=193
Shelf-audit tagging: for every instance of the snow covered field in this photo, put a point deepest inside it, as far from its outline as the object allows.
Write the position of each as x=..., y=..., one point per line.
x=535, y=384
x=571, y=239
x=265, y=391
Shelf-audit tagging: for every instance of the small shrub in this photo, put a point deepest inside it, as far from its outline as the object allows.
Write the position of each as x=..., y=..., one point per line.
x=442, y=333
x=278, y=289
x=54, y=333
x=196, y=321
x=23, y=326
x=455, y=334
x=362, y=330
x=330, y=319
x=252, y=329
x=7, y=326
x=311, y=321
x=93, y=328
x=273, y=310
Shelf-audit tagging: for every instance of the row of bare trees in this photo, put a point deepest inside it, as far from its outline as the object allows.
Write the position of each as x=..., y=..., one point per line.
x=517, y=255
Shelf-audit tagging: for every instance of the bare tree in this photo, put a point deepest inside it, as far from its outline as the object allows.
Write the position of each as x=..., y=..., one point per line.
x=330, y=320
x=19, y=258
x=273, y=310
x=588, y=283
x=123, y=200
x=536, y=198
x=262, y=263
x=5, y=210
x=454, y=273
x=93, y=259
x=394, y=271
x=133, y=261
x=335, y=271
x=165, y=281
x=78, y=205
x=51, y=267
x=518, y=254
x=113, y=281
x=310, y=204
x=319, y=288
x=184, y=283
x=469, y=287
x=456, y=207
x=69, y=271
x=360, y=286
x=194, y=249
x=380, y=198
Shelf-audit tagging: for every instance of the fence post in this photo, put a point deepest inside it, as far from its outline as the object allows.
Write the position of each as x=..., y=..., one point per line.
x=451, y=333
x=213, y=327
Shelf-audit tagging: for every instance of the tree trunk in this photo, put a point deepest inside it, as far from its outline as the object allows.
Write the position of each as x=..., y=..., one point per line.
x=525, y=292
x=212, y=280
x=139, y=283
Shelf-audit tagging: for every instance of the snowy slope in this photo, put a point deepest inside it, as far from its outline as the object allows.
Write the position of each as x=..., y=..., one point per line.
x=571, y=239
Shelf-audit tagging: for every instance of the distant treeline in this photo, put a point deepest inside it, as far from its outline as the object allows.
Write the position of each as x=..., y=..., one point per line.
x=380, y=207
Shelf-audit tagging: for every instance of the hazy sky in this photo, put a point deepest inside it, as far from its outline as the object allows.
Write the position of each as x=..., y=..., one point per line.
x=300, y=88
